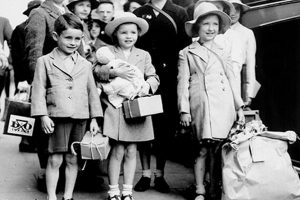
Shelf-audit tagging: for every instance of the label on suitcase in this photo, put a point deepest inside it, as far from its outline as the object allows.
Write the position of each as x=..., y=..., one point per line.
x=19, y=126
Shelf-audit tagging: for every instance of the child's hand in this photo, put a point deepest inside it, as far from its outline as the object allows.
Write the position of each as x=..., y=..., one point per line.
x=47, y=124
x=94, y=128
x=144, y=90
x=185, y=119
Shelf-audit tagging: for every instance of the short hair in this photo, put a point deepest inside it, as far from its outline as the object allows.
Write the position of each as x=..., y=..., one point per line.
x=196, y=26
x=65, y=21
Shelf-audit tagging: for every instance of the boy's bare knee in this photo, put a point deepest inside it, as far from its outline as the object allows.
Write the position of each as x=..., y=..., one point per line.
x=55, y=160
x=71, y=159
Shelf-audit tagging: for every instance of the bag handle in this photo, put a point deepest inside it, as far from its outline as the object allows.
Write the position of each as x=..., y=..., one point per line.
x=165, y=14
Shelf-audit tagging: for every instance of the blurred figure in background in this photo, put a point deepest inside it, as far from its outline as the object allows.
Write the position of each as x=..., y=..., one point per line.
x=131, y=5
x=6, y=74
x=105, y=13
x=19, y=64
x=248, y=45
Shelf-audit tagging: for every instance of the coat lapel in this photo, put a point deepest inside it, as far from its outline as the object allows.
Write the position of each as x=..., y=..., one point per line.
x=199, y=51
x=57, y=61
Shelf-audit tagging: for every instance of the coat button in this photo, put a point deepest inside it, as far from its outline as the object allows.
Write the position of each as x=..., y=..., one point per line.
x=223, y=89
x=222, y=81
x=69, y=97
x=69, y=87
x=221, y=73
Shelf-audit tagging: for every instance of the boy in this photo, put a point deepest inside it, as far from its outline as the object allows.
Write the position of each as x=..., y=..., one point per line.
x=64, y=96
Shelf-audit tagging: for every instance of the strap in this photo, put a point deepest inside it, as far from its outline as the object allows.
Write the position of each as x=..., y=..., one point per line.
x=164, y=13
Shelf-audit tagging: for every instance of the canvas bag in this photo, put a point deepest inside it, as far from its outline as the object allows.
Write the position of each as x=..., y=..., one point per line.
x=258, y=167
x=93, y=147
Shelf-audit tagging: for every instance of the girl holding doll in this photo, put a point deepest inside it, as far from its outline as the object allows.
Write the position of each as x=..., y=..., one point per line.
x=125, y=133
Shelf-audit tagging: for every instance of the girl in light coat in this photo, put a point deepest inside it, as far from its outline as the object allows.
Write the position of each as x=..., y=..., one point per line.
x=206, y=99
x=124, y=133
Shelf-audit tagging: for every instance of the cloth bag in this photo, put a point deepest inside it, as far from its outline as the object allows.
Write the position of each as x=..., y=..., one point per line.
x=93, y=147
x=256, y=166
x=17, y=116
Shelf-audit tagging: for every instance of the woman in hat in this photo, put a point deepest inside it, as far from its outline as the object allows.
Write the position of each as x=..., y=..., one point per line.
x=125, y=134
x=248, y=46
x=206, y=99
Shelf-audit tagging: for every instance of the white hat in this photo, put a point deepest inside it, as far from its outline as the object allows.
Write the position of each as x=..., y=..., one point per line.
x=229, y=5
x=244, y=6
x=203, y=9
x=126, y=17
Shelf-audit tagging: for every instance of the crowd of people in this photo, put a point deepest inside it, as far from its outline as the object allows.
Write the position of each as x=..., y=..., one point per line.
x=193, y=56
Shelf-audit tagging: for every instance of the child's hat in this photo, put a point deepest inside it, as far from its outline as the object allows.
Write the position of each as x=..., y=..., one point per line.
x=31, y=5
x=244, y=6
x=226, y=3
x=94, y=3
x=204, y=9
x=126, y=17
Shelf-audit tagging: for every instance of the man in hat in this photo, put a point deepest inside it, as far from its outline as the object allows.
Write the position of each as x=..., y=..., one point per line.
x=19, y=66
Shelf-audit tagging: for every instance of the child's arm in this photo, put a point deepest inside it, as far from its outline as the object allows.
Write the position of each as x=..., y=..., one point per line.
x=94, y=128
x=47, y=124
x=150, y=75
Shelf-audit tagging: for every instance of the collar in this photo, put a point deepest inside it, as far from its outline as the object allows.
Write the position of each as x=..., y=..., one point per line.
x=74, y=56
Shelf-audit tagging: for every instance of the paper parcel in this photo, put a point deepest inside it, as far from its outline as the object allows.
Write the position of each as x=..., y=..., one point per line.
x=143, y=106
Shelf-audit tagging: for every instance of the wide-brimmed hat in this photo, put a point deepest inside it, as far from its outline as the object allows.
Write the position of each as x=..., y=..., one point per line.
x=31, y=5
x=94, y=3
x=226, y=3
x=204, y=9
x=244, y=6
x=126, y=17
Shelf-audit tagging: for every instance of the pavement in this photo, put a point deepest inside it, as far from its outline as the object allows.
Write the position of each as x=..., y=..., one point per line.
x=19, y=171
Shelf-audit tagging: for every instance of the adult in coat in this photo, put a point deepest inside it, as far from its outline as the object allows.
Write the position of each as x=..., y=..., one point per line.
x=207, y=100
x=20, y=67
x=163, y=41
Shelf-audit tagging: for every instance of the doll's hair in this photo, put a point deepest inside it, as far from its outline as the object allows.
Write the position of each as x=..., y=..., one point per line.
x=65, y=21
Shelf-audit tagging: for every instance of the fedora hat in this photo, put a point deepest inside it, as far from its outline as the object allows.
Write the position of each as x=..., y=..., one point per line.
x=94, y=3
x=126, y=17
x=244, y=6
x=204, y=9
x=31, y=5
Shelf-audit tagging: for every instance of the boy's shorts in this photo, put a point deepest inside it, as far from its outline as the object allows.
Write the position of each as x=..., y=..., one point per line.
x=66, y=131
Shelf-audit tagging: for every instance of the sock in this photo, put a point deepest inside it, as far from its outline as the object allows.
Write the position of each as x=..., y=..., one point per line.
x=147, y=173
x=200, y=189
x=127, y=189
x=113, y=190
x=158, y=173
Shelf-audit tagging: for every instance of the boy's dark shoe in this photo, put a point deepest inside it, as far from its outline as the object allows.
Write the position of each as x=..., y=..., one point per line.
x=67, y=199
x=161, y=185
x=143, y=184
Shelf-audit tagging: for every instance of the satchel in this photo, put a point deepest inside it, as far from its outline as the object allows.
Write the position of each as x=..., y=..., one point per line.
x=17, y=116
x=93, y=147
